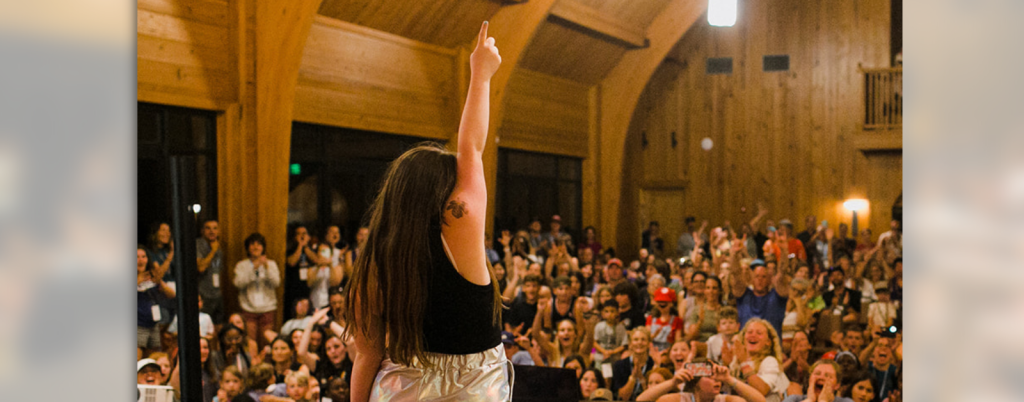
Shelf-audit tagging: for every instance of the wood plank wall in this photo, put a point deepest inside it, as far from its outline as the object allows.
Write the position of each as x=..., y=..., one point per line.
x=782, y=138
x=544, y=113
x=185, y=53
x=203, y=54
x=356, y=77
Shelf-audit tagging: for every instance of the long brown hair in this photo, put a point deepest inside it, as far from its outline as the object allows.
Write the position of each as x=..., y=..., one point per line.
x=389, y=279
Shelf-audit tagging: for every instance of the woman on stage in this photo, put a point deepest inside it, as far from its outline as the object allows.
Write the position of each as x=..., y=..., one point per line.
x=423, y=305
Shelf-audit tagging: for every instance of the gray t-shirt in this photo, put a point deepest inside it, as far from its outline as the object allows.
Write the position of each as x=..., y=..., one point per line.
x=610, y=338
x=522, y=358
x=207, y=283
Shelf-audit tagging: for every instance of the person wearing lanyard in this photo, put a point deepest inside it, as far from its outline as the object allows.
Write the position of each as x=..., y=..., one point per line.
x=882, y=368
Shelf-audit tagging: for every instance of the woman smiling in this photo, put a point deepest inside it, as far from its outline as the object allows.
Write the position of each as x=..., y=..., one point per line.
x=758, y=353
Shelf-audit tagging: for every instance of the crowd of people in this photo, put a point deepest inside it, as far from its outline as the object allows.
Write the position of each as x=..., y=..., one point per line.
x=244, y=356
x=750, y=313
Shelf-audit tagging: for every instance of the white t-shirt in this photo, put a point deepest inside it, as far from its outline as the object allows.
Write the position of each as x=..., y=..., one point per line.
x=771, y=373
x=879, y=313
x=205, y=325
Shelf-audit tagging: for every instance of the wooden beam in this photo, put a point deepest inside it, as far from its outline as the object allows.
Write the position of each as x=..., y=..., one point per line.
x=282, y=27
x=620, y=92
x=512, y=27
x=879, y=140
x=582, y=16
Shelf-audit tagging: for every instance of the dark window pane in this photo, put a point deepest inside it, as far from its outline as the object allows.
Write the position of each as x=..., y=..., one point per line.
x=569, y=169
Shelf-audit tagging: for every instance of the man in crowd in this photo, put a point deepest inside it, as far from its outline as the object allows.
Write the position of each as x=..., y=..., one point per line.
x=210, y=261
x=555, y=233
x=766, y=296
x=651, y=239
x=686, y=242
x=843, y=301
x=613, y=272
x=524, y=308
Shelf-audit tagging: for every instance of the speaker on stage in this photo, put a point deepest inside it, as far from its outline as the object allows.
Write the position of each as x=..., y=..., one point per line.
x=545, y=384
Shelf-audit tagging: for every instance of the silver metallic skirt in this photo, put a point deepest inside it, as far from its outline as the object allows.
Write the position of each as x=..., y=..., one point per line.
x=484, y=376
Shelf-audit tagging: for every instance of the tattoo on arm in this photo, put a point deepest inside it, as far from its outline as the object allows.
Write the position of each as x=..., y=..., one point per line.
x=457, y=208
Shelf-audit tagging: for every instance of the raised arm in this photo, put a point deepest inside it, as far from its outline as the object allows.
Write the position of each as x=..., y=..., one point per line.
x=538, y=333
x=738, y=274
x=467, y=206
x=338, y=271
x=513, y=281
x=761, y=213
x=304, y=357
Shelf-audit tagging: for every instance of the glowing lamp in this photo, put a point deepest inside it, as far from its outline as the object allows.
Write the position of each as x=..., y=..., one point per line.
x=722, y=13
x=854, y=205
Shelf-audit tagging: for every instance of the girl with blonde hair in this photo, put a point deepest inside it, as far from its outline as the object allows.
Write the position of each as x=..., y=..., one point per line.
x=758, y=359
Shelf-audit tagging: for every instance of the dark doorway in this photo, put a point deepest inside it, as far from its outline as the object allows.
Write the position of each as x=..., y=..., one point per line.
x=165, y=132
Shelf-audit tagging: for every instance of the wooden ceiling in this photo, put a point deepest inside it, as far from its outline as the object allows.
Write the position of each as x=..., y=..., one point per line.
x=582, y=40
x=447, y=23
x=568, y=53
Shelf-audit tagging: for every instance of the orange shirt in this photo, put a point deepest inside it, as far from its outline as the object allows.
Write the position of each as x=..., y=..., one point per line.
x=795, y=247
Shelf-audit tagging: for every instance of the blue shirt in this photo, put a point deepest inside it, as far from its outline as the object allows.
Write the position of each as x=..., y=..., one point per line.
x=770, y=307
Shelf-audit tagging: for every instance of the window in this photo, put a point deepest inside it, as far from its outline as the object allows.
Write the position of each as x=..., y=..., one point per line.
x=165, y=132
x=336, y=172
x=538, y=185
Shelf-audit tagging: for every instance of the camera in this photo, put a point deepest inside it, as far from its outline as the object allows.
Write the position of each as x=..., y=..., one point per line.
x=889, y=332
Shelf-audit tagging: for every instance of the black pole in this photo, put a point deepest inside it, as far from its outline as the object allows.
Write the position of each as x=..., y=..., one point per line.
x=183, y=186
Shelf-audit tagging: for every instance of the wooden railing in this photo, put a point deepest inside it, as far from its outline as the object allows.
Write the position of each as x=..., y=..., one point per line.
x=883, y=98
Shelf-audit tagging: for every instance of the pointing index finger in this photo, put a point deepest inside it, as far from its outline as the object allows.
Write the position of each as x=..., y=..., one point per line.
x=483, y=35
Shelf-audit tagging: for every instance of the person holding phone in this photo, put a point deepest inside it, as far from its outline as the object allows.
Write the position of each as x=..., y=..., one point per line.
x=423, y=305
x=706, y=387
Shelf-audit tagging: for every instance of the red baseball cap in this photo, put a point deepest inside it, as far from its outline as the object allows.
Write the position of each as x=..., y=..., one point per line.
x=615, y=261
x=665, y=295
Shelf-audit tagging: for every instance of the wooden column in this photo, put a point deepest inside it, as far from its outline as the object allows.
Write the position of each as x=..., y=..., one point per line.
x=254, y=134
x=619, y=92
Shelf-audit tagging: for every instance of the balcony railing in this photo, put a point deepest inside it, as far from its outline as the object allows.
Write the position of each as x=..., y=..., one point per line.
x=883, y=98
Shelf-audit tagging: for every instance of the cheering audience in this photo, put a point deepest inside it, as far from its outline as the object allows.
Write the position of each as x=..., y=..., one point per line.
x=820, y=313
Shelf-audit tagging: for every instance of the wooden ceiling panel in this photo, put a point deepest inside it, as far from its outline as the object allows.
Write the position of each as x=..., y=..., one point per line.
x=568, y=53
x=633, y=12
x=447, y=23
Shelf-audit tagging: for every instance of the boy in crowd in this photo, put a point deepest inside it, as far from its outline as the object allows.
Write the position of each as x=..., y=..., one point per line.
x=562, y=308
x=883, y=312
x=727, y=327
x=610, y=336
x=524, y=308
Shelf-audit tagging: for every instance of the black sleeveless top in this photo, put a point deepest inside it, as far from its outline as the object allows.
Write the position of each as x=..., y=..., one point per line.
x=557, y=318
x=459, y=315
